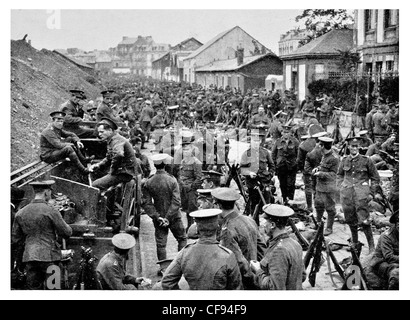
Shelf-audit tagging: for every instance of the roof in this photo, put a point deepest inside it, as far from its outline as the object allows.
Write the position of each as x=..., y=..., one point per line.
x=209, y=43
x=182, y=44
x=232, y=64
x=328, y=44
x=128, y=41
x=75, y=61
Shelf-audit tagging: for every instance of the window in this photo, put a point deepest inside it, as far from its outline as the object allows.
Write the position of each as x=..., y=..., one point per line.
x=389, y=18
x=369, y=67
x=389, y=66
x=319, y=71
x=369, y=20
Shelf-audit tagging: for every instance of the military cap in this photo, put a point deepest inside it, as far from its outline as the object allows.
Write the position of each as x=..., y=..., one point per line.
x=140, y=99
x=123, y=241
x=354, y=140
x=205, y=213
x=305, y=137
x=204, y=192
x=57, y=114
x=326, y=139
x=107, y=92
x=159, y=158
x=147, y=102
x=277, y=210
x=187, y=137
x=225, y=194
x=173, y=107
x=109, y=122
x=287, y=128
x=45, y=184
x=79, y=94
x=395, y=217
x=17, y=194
x=211, y=174
x=255, y=95
x=362, y=132
x=319, y=134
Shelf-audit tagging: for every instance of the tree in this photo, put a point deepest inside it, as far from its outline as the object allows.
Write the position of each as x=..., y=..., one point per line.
x=349, y=60
x=319, y=22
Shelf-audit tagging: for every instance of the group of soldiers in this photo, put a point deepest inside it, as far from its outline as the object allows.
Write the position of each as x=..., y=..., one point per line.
x=220, y=247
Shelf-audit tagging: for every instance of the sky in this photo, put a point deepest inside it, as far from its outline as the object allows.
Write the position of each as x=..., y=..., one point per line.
x=102, y=29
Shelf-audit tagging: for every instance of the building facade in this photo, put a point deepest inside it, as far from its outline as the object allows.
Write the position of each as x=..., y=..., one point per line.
x=290, y=41
x=318, y=59
x=240, y=73
x=377, y=40
x=170, y=66
x=222, y=47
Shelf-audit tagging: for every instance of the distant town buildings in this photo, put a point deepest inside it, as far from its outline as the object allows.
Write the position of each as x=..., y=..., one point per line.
x=290, y=41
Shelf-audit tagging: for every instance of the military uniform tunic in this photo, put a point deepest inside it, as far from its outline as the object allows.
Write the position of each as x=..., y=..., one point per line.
x=282, y=267
x=74, y=117
x=353, y=180
x=206, y=265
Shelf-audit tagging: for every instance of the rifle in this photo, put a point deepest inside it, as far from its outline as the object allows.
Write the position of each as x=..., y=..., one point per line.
x=356, y=262
x=302, y=240
x=388, y=156
x=386, y=202
x=313, y=245
x=317, y=258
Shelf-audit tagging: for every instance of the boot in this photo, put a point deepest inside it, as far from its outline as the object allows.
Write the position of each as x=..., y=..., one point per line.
x=309, y=202
x=329, y=224
x=369, y=236
x=83, y=170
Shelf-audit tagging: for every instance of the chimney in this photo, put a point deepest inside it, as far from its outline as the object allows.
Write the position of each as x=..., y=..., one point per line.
x=239, y=55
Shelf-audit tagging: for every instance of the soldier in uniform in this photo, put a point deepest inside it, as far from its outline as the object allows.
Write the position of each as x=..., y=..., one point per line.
x=189, y=178
x=239, y=233
x=111, y=271
x=162, y=201
x=120, y=157
x=254, y=104
x=282, y=266
x=366, y=142
x=205, y=264
x=385, y=262
x=326, y=190
x=105, y=110
x=147, y=114
x=57, y=144
x=257, y=160
x=284, y=156
x=74, y=115
x=312, y=160
x=35, y=232
x=379, y=125
x=353, y=177
x=260, y=119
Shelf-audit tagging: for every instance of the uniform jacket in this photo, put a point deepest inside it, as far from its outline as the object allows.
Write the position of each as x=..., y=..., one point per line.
x=240, y=234
x=147, y=114
x=111, y=273
x=262, y=164
x=157, y=121
x=275, y=129
x=206, y=265
x=282, y=267
x=38, y=225
x=379, y=125
x=120, y=156
x=74, y=114
x=304, y=148
x=284, y=154
x=104, y=111
x=387, y=249
x=357, y=173
x=327, y=170
x=313, y=159
x=52, y=138
x=191, y=173
x=164, y=190
x=258, y=120
x=369, y=120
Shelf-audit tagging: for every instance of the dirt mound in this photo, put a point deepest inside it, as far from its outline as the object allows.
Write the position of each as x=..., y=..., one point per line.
x=40, y=80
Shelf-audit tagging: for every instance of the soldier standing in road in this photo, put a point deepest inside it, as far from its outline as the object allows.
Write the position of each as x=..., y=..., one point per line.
x=162, y=202
x=74, y=115
x=282, y=267
x=36, y=228
x=57, y=144
x=120, y=157
x=239, y=233
x=284, y=156
x=147, y=114
x=205, y=264
x=357, y=177
x=326, y=190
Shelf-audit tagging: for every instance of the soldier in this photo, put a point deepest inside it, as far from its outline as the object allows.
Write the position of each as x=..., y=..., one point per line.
x=105, y=110
x=190, y=177
x=385, y=262
x=120, y=157
x=35, y=229
x=162, y=201
x=142, y=159
x=374, y=152
x=260, y=119
x=366, y=142
x=284, y=156
x=254, y=104
x=57, y=144
x=239, y=233
x=312, y=160
x=205, y=264
x=74, y=115
x=282, y=266
x=361, y=110
x=147, y=114
x=379, y=125
x=353, y=176
x=256, y=162
x=111, y=270
x=326, y=190
x=369, y=120
x=211, y=179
